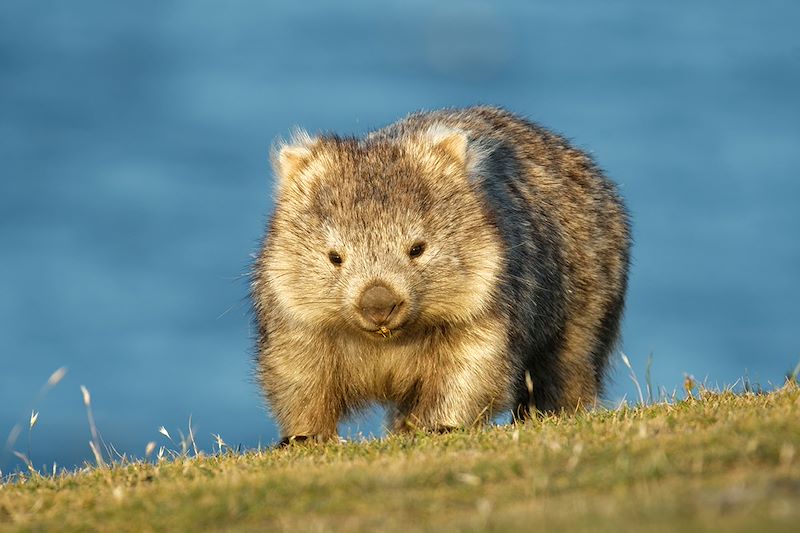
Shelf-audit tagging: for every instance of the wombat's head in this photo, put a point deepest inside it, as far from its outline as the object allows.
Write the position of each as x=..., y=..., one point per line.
x=381, y=236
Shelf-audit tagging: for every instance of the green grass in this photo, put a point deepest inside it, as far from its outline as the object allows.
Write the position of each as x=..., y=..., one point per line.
x=719, y=462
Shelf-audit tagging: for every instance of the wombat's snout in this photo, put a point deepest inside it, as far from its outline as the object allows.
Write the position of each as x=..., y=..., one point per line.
x=379, y=305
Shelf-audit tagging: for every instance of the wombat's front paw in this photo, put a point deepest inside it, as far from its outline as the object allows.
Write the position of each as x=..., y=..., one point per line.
x=307, y=439
x=294, y=439
x=410, y=425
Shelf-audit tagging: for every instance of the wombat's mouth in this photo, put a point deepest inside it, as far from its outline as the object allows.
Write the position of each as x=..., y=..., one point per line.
x=384, y=332
x=382, y=320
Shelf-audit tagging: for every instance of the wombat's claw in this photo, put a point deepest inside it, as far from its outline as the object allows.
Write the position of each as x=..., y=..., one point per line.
x=307, y=439
x=287, y=441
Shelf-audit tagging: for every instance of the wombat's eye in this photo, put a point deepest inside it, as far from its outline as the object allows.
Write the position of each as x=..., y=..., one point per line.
x=417, y=249
x=335, y=258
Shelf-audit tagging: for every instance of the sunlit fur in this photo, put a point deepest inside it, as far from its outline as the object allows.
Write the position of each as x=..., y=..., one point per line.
x=524, y=269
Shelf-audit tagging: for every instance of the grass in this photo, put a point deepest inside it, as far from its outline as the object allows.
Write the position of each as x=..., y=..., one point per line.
x=715, y=461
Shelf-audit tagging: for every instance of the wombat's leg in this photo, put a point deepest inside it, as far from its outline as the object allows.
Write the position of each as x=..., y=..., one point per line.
x=305, y=411
x=304, y=398
x=466, y=383
x=441, y=410
x=579, y=389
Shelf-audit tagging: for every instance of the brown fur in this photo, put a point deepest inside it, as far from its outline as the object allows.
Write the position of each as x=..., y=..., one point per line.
x=524, y=270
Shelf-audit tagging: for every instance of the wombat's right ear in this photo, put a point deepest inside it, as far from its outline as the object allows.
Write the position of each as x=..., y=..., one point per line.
x=289, y=157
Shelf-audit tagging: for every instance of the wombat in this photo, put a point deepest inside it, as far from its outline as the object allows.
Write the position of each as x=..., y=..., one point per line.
x=450, y=266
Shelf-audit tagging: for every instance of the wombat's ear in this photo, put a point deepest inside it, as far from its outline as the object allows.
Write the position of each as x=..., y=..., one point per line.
x=451, y=140
x=289, y=157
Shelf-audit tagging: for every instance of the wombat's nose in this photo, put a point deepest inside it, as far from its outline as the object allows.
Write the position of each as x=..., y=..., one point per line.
x=377, y=304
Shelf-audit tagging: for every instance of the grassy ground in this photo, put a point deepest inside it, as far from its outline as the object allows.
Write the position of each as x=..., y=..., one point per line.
x=720, y=462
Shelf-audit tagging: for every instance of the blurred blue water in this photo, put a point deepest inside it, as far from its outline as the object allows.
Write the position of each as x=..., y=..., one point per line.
x=134, y=180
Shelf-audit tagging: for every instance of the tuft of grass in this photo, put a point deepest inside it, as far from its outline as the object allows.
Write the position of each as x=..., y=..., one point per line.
x=715, y=460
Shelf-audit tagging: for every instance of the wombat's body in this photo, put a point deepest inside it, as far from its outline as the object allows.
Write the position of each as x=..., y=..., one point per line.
x=430, y=267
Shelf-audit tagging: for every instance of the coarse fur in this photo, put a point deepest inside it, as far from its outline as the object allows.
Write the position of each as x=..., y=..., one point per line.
x=513, y=303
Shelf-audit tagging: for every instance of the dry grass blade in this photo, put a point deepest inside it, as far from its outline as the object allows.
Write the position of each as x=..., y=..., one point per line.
x=95, y=444
x=98, y=457
x=220, y=443
x=191, y=437
x=87, y=398
x=795, y=373
x=56, y=377
x=148, y=450
x=632, y=375
x=24, y=458
x=13, y=435
x=689, y=384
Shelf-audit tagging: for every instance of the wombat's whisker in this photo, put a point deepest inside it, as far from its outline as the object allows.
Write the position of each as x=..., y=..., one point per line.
x=230, y=308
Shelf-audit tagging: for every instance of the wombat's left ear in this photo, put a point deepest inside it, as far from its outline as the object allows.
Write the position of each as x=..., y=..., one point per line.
x=289, y=158
x=451, y=140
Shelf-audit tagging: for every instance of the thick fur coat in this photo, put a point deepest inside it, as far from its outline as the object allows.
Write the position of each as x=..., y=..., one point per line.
x=451, y=266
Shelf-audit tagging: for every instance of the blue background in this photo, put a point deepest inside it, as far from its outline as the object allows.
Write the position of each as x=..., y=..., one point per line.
x=134, y=180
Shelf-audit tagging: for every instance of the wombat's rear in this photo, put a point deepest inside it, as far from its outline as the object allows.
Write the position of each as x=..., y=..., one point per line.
x=450, y=266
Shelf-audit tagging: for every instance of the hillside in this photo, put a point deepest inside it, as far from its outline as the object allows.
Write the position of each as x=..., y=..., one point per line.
x=721, y=462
